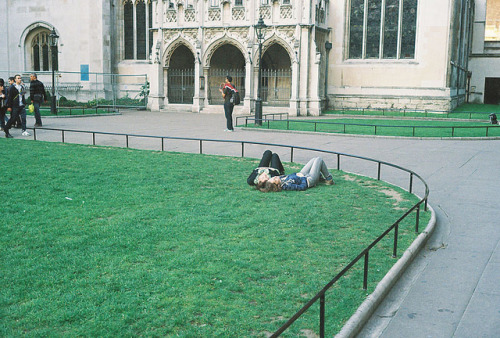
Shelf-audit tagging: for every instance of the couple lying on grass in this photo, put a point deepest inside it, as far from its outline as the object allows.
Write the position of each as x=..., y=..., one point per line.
x=270, y=174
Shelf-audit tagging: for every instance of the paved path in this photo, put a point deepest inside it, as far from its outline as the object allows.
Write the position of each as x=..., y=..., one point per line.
x=452, y=289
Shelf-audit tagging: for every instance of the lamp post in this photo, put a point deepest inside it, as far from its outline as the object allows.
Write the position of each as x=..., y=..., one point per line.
x=260, y=31
x=53, y=44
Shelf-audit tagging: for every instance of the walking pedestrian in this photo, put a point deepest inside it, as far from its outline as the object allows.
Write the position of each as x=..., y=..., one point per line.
x=227, y=90
x=16, y=104
x=37, y=96
x=17, y=123
x=3, y=107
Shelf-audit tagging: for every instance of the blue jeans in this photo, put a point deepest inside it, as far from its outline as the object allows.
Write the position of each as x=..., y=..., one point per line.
x=313, y=169
x=16, y=112
x=38, y=117
x=228, y=110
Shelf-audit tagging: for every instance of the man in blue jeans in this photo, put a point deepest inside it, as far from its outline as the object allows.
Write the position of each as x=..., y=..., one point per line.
x=16, y=105
x=37, y=96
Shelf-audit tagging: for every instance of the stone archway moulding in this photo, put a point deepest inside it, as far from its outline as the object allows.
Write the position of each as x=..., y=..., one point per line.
x=173, y=46
x=225, y=40
x=34, y=26
x=273, y=40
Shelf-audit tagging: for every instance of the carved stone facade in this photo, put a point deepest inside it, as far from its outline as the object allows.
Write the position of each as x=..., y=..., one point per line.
x=315, y=54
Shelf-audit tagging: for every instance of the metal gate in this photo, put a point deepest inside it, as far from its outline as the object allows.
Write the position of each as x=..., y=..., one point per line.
x=180, y=85
x=276, y=87
x=217, y=77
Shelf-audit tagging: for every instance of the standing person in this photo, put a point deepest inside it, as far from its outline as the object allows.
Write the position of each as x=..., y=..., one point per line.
x=16, y=104
x=17, y=123
x=308, y=177
x=270, y=165
x=37, y=96
x=227, y=91
x=3, y=107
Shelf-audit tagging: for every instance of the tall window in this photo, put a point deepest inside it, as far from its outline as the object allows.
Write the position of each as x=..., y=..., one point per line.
x=41, y=58
x=492, y=31
x=138, y=42
x=382, y=29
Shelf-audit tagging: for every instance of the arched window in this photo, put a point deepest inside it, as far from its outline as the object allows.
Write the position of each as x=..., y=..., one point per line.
x=137, y=22
x=41, y=58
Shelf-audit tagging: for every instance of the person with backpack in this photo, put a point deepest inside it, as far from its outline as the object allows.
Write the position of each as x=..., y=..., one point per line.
x=228, y=92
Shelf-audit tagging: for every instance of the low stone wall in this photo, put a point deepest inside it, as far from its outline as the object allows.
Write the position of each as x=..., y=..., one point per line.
x=417, y=103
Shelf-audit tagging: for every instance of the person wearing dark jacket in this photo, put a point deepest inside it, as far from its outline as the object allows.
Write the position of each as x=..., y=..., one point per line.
x=37, y=96
x=17, y=123
x=3, y=107
x=16, y=103
x=270, y=165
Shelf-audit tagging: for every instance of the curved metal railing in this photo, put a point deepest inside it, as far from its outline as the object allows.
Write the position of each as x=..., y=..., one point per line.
x=364, y=253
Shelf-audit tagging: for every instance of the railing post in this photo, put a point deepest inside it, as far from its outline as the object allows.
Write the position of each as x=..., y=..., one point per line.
x=375, y=130
x=322, y=316
x=418, y=219
x=62, y=136
x=291, y=154
x=162, y=144
x=378, y=171
x=93, y=139
x=394, y=251
x=365, y=275
x=411, y=183
x=201, y=147
x=242, y=149
x=287, y=124
x=34, y=134
x=452, y=131
x=338, y=161
x=315, y=125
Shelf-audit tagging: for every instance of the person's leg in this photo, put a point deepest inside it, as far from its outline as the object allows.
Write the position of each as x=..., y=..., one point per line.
x=38, y=117
x=230, y=125
x=22, y=113
x=266, y=159
x=307, y=168
x=2, y=117
x=14, y=115
x=318, y=168
x=228, y=114
x=276, y=163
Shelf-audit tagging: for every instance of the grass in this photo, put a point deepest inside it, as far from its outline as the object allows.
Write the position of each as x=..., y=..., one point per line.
x=107, y=241
x=466, y=111
x=63, y=111
x=388, y=127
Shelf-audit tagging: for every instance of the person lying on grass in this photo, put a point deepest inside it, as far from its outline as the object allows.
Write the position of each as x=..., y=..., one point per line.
x=270, y=165
x=308, y=177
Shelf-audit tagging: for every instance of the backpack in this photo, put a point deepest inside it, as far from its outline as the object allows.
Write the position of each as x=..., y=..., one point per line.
x=236, y=99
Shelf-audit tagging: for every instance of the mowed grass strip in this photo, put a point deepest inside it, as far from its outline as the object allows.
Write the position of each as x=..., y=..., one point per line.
x=108, y=241
x=388, y=127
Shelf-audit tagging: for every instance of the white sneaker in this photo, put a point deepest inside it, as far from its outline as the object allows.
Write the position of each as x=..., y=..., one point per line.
x=25, y=133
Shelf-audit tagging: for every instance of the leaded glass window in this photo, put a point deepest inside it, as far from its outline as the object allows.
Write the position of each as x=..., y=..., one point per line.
x=138, y=44
x=382, y=29
x=41, y=59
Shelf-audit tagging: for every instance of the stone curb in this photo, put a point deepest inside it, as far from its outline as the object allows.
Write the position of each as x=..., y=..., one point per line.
x=366, y=309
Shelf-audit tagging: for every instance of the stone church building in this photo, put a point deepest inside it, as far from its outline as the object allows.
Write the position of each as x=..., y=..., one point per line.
x=317, y=54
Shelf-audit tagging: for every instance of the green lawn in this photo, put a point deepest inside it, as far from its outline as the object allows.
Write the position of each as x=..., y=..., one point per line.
x=388, y=127
x=98, y=241
x=62, y=111
x=465, y=111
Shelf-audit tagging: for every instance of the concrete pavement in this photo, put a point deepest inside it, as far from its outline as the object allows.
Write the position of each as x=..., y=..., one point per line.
x=452, y=289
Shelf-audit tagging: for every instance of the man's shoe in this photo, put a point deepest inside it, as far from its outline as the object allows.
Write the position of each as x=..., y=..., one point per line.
x=25, y=133
x=38, y=124
x=7, y=135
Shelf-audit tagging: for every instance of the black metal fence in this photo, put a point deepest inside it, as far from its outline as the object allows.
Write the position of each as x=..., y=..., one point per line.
x=378, y=167
x=376, y=127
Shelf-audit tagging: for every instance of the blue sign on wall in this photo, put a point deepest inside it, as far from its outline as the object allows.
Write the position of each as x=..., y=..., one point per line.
x=84, y=71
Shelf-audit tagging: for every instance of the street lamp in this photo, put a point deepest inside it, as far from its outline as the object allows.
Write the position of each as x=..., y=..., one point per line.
x=53, y=47
x=260, y=29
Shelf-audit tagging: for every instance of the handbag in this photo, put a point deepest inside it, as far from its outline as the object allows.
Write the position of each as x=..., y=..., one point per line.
x=31, y=108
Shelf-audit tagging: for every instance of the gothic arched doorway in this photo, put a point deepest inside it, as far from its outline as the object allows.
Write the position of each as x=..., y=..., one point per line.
x=180, y=86
x=276, y=76
x=226, y=60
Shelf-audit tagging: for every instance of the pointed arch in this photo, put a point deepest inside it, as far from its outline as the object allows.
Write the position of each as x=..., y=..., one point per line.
x=225, y=40
x=170, y=49
x=273, y=40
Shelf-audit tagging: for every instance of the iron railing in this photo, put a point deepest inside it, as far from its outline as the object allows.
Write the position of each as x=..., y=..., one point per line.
x=376, y=127
x=364, y=254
